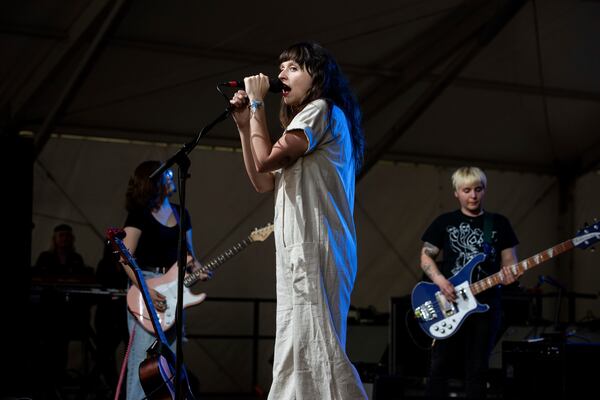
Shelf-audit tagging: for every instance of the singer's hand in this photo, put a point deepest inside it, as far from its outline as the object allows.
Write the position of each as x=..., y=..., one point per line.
x=257, y=86
x=239, y=109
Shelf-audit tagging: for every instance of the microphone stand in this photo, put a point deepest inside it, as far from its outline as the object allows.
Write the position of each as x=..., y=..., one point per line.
x=182, y=160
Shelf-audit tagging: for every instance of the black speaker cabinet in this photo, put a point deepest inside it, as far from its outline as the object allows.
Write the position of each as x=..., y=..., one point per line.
x=366, y=346
x=549, y=369
x=409, y=345
x=388, y=387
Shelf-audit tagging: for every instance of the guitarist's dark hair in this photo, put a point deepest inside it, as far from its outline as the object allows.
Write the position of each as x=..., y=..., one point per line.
x=143, y=193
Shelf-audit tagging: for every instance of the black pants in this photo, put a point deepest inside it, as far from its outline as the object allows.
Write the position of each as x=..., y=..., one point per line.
x=465, y=355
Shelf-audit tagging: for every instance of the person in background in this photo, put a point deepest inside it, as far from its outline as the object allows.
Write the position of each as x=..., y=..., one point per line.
x=62, y=260
x=64, y=317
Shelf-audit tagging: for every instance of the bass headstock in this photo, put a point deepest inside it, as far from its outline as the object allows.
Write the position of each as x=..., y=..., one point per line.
x=587, y=236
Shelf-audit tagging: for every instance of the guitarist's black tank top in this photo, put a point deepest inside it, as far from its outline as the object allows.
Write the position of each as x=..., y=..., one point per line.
x=158, y=244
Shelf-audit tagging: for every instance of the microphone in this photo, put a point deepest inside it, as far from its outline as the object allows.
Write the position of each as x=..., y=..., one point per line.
x=275, y=85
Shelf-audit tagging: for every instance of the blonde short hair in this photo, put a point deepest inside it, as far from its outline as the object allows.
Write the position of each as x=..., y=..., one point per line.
x=468, y=176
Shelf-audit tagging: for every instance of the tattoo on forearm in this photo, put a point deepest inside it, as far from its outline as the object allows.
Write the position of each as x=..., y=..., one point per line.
x=427, y=269
x=430, y=250
x=430, y=270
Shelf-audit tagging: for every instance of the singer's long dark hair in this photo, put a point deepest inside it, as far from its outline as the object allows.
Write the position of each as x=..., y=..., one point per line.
x=330, y=84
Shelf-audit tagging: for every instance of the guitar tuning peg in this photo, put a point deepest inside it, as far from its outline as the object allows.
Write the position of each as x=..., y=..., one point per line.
x=592, y=249
x=585, y=224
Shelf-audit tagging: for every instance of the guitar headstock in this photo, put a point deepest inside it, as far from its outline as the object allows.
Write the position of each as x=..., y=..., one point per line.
x=112, y=233
x=260, y=234
x=587, y=236
x=115, y=237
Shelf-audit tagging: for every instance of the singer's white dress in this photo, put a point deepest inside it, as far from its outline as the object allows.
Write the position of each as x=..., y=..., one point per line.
x=315, y=244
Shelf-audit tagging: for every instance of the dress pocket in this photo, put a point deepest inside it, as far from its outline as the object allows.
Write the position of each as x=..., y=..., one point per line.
x=305, y=267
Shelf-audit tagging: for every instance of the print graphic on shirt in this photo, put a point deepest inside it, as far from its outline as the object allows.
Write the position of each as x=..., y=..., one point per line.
x=466, y=242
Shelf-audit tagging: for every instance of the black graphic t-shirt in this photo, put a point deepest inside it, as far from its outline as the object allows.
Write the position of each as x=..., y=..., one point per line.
x=461, y=237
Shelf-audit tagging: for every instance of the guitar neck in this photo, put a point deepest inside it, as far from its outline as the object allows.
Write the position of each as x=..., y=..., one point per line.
x=522, y=266
x=213, y=264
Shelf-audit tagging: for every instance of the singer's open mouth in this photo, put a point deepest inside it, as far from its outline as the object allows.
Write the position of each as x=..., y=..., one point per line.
x=285, y=89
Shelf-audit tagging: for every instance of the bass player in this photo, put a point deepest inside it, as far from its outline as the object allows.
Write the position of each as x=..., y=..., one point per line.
x=459, y=236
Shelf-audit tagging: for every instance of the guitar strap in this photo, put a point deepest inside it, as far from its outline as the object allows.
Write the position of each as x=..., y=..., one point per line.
x=488, y=249
x=175, y=213
x=162, y=349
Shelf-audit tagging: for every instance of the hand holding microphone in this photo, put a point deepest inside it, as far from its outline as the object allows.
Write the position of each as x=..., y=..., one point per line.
x=238, y=105
x=275, y=85
x=257, y=87
x=254, y=88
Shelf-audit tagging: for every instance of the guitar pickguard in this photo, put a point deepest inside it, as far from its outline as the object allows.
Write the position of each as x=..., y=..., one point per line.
x=169, y=290
x=452, y=313
x=437, y=316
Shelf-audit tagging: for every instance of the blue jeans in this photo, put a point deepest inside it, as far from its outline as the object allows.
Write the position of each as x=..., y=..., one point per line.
x=141, y=342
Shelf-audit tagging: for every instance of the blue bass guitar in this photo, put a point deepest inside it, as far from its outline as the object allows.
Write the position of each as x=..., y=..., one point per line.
x=440, y=318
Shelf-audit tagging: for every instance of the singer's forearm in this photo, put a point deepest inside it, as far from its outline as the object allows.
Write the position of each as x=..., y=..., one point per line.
x=262, y=182
x=260, y=142
x=270, y=157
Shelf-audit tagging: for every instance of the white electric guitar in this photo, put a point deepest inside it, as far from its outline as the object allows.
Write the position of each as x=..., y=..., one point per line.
x=167, y=283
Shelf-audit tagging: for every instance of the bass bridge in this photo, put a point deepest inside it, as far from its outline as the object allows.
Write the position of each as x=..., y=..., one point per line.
x=426, y=312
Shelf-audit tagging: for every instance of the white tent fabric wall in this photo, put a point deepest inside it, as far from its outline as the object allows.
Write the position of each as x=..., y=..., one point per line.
x=394, y=204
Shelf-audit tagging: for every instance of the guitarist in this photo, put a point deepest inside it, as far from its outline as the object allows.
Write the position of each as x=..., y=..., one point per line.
x=458, y=236
x=152, y=232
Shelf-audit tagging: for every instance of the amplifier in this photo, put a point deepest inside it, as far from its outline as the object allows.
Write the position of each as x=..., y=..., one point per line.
x=549, y=369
